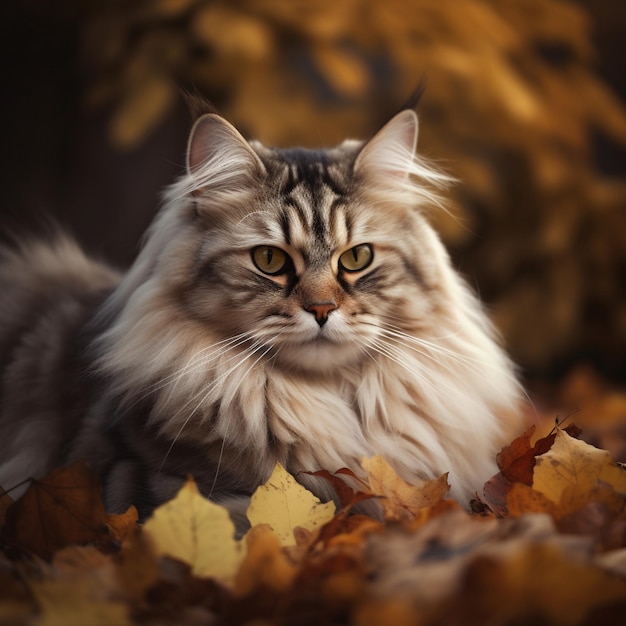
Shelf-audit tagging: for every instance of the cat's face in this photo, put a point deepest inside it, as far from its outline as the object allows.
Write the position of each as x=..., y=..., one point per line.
x=306, y=255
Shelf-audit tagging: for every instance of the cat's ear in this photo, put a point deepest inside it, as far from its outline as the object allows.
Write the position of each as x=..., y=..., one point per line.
x=218, y=155
x=391, y=151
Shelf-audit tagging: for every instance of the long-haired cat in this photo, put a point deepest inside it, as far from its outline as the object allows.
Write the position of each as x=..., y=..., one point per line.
x=288, y=305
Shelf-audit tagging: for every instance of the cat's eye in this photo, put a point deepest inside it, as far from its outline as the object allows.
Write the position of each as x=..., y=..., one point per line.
x=357, y=258
x=270, y=260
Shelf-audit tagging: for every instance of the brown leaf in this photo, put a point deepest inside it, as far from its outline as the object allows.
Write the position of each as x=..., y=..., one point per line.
x=495, y=492
x=517, y=460
x=62, y=509
x=348, y=497
x=517, y=463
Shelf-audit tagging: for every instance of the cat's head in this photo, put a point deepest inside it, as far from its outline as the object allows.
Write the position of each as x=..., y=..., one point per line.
x=304, y=253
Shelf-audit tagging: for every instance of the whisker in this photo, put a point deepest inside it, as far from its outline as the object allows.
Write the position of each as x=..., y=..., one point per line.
x=248, y=352
x=199, y=361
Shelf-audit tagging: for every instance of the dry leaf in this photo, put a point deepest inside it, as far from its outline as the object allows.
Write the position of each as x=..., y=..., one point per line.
x=78, y=600
x=62, y=509
x=571, y=472
x=198, y=532
x=81, y=587
x=348, y=497
x=523, y=499
x=536, y=583
x=265, y=565
x=122, y=525
x=284, y=504
x=399, y=499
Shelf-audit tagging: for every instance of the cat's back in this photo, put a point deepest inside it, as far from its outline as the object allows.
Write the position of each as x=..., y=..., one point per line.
x=48, y=293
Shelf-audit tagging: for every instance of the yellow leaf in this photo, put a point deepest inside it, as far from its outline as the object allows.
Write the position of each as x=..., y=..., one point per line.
x=571, y=473
x=523, y=499
x=197, y=531
x=399, y=499
x=284, y=504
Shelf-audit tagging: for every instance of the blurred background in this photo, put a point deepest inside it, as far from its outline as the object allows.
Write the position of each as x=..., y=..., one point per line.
x=525, y=105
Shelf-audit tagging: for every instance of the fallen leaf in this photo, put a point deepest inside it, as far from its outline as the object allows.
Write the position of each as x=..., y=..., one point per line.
x=517, y=460
x=517, y=463
x=137, y=566
x=523, y=499
x=348, y=497
x=80, y=587
x=536, y=583
x=399, y=499
x=284, y=504
x=77, y=601
x=265, y=564
x=62, y=509
x=571, y=472
x=123, y=525
x=198, y=532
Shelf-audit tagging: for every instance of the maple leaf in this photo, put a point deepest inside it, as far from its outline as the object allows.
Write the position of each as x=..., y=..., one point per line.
x=285, y=504
x=198, y=532
x=399, y=499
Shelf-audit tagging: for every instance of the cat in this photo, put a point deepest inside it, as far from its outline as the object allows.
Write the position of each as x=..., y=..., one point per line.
x=288, y=305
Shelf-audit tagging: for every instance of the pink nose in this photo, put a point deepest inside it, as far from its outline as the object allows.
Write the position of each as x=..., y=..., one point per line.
x=321, y=311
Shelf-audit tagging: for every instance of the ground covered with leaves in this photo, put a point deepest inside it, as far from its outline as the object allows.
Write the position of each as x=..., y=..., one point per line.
x=545, y=543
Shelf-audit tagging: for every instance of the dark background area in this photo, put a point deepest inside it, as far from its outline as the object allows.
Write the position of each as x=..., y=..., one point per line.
x=547, y=256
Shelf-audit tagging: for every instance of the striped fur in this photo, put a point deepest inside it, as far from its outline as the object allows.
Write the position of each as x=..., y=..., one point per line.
x=200, y=363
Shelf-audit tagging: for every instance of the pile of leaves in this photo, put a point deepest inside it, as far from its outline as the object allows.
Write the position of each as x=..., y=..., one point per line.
x=544, y=544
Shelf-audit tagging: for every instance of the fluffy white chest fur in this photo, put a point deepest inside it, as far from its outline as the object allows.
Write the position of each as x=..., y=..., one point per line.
x=288, y=305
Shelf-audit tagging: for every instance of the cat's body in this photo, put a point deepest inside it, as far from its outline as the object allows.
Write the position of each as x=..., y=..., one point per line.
x=288, y=306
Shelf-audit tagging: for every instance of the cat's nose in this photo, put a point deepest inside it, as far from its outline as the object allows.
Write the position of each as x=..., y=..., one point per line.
x=321, y=311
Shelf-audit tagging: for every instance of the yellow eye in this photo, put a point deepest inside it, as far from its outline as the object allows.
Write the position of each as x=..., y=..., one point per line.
x=357, y=258
x=270, y=260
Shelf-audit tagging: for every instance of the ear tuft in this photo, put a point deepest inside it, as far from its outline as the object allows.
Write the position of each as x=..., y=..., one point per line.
x=391, y=151
x=217, y=154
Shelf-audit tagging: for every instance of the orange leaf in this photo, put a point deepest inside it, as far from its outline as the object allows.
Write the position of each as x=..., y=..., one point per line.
x=123, y=525
x=399, y=499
